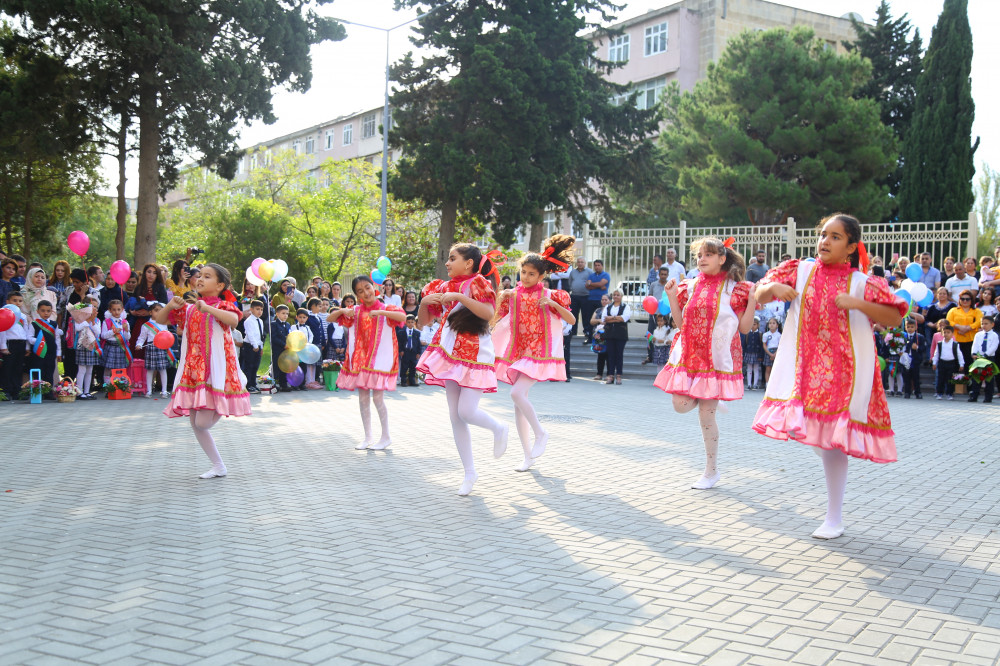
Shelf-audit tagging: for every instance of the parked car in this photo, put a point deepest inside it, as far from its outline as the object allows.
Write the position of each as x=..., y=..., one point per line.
x=633, y=291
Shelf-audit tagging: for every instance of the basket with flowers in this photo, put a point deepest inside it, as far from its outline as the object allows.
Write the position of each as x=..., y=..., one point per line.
x=265, y=383
x=119, y=388
x=331, y=371
x=67, y=390
x=34, y=386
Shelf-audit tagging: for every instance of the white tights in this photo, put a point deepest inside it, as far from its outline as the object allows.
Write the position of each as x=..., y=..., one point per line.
x=83, y=378
x=202, y=421
x=754, y=376
x=463, y=406
x=366, y=415
x=526, y=420
x=163, y=380
x=835, y=467
x=709, y=428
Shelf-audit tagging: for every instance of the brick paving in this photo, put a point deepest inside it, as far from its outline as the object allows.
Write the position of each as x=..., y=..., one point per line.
x=113, y=552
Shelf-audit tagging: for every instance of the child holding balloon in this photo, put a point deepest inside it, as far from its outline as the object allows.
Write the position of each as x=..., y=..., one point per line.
x=299, y=337
x=158, y=353
x=529, y=340
x=209, y=382
x=706, y=359
x=826, y=389
x=371, y=364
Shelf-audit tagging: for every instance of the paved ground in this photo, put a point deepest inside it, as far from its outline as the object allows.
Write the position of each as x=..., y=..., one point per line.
x=113, y=552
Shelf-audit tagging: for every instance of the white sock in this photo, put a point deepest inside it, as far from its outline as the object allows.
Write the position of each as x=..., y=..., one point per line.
x=83, y=376
x=364, y=404
x=460, y=431
x=525, y=465
x=384, y=441
x=163, y=382
x=202, y=422
x=469, y=411
x=519, y=394
x=835, y=469
x=149, y=382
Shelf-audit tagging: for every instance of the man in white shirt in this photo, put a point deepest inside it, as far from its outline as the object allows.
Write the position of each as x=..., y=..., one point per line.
x=676, y=269
x=960, y=281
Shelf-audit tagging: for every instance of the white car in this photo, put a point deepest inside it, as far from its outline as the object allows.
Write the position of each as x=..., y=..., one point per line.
x=633, y=291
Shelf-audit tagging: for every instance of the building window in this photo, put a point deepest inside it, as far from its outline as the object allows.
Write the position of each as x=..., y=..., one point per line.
x=650, y=92
x=253, y=161
x=297, y=146
x=549, y=223
x=239, y=165
x=656, y=39
x=348, y=134
x=310, y=146
x=368, y=126
x=329, y=139
x=618, y=49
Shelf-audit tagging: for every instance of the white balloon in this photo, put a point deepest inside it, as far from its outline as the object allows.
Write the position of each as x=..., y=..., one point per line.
x=280, y=270
x=253, y=279
x=908, y=285
x=919, y=291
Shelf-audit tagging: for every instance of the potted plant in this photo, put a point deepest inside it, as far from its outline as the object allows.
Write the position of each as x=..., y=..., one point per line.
x=961, y=382
x=67, y=391
x=34, y=386
x=331, y=371
x=119, y=388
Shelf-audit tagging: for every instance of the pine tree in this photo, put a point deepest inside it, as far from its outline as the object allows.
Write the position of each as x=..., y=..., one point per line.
x=896, y=65
x=938, y=154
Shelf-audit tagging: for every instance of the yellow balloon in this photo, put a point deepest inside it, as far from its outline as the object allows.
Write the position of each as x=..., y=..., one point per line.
x=288, y=361
x=296, y=341
x=265, y=271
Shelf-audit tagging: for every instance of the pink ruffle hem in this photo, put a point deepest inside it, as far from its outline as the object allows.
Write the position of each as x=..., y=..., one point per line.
x=438, y=369
x=540, y=371
x=789, y=420
x=185, y=400
x=702, y=385
x=365, y=379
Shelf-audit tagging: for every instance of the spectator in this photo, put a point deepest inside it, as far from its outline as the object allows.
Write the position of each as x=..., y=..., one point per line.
x=335, y=293
x=179, y=274
x=656, y=291
x=966, y=320
x=938, y=311
x=786, y=257
x=22, y=265
x=285, y=296
x=95, y=276
x=615, y=319
x=901, y=264
x=987, y=304
x=505, y=283
x=389, y=296
x=984, y=346
x=578, y=294
x=654, y=272
x=8, y=270
x=597, y=286
x=410, y=305
x=675, y=267
x=598, y=346
x=972, y=268
x=757, y=268
x=35, y=290
x=770, y=340
x=949, y=269
x=931, y=277
x=989, y=271
x=960, y=282
x=560, y=281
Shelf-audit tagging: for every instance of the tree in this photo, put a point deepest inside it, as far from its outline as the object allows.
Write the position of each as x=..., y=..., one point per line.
x=988, y=208
x=896, y=65
x=510, y=115
x=773, y=131
x=196, y=69
x=938, y=154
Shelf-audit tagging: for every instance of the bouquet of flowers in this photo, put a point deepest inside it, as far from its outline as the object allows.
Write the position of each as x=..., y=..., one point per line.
x=983, y=370
x=118, y=384
x=959, y=378
x=80, y=312
x=67, y=388
x=27, y=388
x=895, y=342
x=331, y=365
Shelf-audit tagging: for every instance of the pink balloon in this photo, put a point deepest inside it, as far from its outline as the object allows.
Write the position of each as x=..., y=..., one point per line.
x=120, y=271
x=255, y=263
x=78, y=243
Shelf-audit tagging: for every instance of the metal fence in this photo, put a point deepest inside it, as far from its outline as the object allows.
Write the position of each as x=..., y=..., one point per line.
x=628, y=253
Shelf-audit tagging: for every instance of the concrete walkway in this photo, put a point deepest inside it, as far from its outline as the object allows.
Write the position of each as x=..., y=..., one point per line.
x=114, y=552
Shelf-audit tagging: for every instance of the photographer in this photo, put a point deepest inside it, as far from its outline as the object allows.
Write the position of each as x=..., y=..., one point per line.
x=180, y=273
x=286, y=295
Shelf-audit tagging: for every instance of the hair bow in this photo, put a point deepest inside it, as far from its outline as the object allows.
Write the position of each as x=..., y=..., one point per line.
x=728, y=243
x=547, y=255
x=863, y=260
x=228, y=296
x=490, y=256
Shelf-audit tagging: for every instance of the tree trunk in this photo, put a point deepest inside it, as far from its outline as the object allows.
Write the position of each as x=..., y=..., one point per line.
x=29, y=193
x=535, y=233
x=148, y=207
x=446, y=236
x=121, y=218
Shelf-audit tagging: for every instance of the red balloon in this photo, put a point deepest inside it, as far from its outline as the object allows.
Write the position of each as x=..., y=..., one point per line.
x=7, y=319
x=649, y=304
x=164, y=340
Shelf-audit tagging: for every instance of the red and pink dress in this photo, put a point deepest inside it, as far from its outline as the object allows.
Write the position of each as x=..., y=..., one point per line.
x=465, y=358
x=372, y=358
x=826, y=386
x=706, y=358
x=528, y=337
x=208, y=374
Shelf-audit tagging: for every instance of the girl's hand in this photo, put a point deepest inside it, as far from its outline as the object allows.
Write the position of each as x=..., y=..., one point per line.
x=201, y=305
x=450, y=297
x=374, y=314
x=671, y=287
x=782, y=292
x=175, y=303
x=432, y=299
x=545, y=300
x=847, y=302
x=507, y=293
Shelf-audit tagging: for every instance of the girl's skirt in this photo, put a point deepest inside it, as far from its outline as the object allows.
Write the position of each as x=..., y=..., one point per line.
x=87, y=357
x=114, y=356
x=767, y=361
x=156, y=358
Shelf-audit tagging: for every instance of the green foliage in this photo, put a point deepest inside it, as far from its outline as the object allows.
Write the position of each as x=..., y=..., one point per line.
x=988, y=209
x=896, y=65
x=95, y=216
x=773, y=131
x=938, y=153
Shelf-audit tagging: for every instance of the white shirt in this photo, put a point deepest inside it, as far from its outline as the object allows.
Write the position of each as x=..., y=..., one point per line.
x=427, y=333
x=992, y=341
x=19, y=331
x=945, y=349
x=660, y=336
x=676, y=270
x=146, y=335
x=393, y=300
x=254, y=331
x=612, y=311
x=304, y=328
x=955, y=286
x=771, y=339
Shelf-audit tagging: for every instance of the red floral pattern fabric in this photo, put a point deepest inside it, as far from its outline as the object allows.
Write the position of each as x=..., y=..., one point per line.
x=533, y=324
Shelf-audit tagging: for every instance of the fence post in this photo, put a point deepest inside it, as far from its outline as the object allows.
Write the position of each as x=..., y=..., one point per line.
x=790, y=241
x=682, y=244
x=972, y=250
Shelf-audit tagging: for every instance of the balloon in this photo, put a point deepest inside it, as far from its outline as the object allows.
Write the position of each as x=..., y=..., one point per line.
x=811, y=259
x=919, y=291
x=927, y=300
x=881, y=364
x=78, y=242
x=280, y=269
x=663, y=307
x=914, y=271
x=310, y=354
x=255, y=263
x=288, y=361
x=383, y=265
x=377, y=276
x=295, y=377
x=7, y=319
x=907, y=284
x=649, y=304
x=253, y=279
x=296, y=342
x=120, y=272
x=265, y=271
x=164, y=340
x=904, y=295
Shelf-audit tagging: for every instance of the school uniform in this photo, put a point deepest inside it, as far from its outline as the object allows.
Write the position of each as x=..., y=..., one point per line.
x=253, y=337
x=279, y=335
x=409, y=353
x=911, y=376
x=984, y=345
x=114, y=343
x=948, y=359
x=46, y=346
x=14, y=340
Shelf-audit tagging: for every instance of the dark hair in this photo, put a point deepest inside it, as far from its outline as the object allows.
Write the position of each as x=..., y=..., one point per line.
x=302, y=311
x=78, y=274
x=409, y=293
x=878, y=271
x=8, y=260
x=734, y=266
x=175, y=271
x=410, y=317
x=969, y=293
x=358, y=280
x=280, y=308
x=256, y=304
x=113, y=301
x=222, y=273
x=49, y=303
x=993, y=295
x=658, y=256
x=990, y=319
x=853, y=230
x=463, y=320
x=140, y=291
x=947, y=326
x=17, y=257
x=313, y=301
x=561, y=245
x=346, y=296
x=388, y=280
x=13, y=294
x=92, y=271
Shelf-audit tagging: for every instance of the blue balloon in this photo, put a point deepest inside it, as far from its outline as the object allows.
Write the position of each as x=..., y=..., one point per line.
x=663, y=307
x=926, y=300
x=310, y=354
x=811, y=259
x=904, y=295
x=914, y=271
x=378, y=277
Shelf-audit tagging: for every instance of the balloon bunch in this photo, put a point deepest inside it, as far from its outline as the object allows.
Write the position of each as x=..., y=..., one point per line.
x=654, y=307
x=297, y=350
x=912, y=292
x=381, y=270
x=9, y=315
x=266, y=270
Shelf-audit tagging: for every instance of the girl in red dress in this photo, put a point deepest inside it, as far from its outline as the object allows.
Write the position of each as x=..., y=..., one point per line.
x=209, y=383
x=460, y=357
x=528, y=338
x=706, y=359
x=826, y=386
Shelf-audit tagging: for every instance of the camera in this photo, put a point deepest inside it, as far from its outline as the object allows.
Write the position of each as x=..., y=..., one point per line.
x=195, y=252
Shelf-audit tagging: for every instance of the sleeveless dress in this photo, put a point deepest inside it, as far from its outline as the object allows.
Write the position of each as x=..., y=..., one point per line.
x=826, y=386
x=208, y=375
x=706, y=358
x=528, y=337
x=465, y=358
x=372, y=359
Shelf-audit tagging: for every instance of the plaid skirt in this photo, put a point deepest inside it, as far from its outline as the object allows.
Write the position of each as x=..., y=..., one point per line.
x=114, y=356
x=87, y=357
x=156, y=358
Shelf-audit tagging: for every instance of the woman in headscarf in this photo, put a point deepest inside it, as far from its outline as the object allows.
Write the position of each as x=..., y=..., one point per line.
x=36, y=290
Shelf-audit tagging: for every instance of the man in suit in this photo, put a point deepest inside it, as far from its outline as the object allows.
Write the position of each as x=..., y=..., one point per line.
x=408, y=338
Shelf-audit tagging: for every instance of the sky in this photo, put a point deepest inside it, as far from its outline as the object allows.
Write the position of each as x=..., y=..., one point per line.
x=349, y=75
